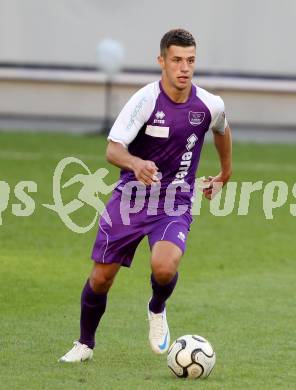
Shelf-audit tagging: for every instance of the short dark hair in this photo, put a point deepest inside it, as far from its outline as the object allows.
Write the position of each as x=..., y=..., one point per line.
x=178, y=37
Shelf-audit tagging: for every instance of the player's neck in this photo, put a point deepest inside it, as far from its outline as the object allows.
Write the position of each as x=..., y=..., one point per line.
x=176, y=95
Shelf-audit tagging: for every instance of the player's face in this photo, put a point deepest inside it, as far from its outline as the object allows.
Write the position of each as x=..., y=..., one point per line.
x=178, y=64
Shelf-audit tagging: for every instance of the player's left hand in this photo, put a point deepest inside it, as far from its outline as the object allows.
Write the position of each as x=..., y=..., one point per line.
x=213, y=184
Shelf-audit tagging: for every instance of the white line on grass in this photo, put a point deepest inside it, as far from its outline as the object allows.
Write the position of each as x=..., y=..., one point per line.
x=16, y=156
x=258, y=167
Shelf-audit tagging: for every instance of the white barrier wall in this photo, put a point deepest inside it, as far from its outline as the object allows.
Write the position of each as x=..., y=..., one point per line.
x=81, y=96
x=255, y=36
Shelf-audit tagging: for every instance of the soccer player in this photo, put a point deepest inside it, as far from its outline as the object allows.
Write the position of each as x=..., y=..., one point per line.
x=156, y=141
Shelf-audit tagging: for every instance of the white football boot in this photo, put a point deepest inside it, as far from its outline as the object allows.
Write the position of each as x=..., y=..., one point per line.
x=79, y=353
x=159, y=333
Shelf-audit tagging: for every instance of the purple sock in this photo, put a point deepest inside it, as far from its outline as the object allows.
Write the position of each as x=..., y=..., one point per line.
x=92, y=308
x=161, y=293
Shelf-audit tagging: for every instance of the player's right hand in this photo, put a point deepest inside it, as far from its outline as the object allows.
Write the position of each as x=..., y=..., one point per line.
x=145, y=171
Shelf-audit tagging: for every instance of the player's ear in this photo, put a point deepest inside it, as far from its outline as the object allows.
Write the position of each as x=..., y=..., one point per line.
x=160, y=60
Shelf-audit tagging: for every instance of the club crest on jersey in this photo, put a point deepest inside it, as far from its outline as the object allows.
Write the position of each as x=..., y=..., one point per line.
x=159, y=117
x=196, y=118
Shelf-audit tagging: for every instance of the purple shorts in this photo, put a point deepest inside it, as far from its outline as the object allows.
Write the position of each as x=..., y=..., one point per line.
x=117, y=243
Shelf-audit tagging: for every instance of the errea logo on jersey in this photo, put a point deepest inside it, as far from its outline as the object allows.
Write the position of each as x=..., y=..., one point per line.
x=191, y=141
x=159, y=117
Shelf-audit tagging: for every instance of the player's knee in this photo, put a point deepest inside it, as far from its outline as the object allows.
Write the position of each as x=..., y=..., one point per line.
x=100, y=283
x=102, y=277
x=163, y=269
x=164, y=275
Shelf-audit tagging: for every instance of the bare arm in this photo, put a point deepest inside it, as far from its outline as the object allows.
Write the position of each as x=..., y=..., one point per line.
x=223, y=145
x=145, y=171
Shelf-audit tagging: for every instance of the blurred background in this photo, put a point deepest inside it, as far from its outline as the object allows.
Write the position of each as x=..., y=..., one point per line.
x=51, y=77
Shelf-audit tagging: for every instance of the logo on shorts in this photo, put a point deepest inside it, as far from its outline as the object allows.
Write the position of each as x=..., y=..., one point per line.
x=181, y=236
x=159, y=117
x=196, y=118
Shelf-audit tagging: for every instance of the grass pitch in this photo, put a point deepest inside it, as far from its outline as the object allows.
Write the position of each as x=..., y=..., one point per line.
x=236, y=286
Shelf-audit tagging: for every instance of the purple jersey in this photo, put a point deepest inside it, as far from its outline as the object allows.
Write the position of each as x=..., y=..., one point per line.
x=153, y=127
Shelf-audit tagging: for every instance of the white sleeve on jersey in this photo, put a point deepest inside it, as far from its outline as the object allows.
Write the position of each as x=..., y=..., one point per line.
x=219, y=121
x=134, y=115
x=217, y=109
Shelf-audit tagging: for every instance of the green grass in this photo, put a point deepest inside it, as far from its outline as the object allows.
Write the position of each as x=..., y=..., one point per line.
x=236, y=286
